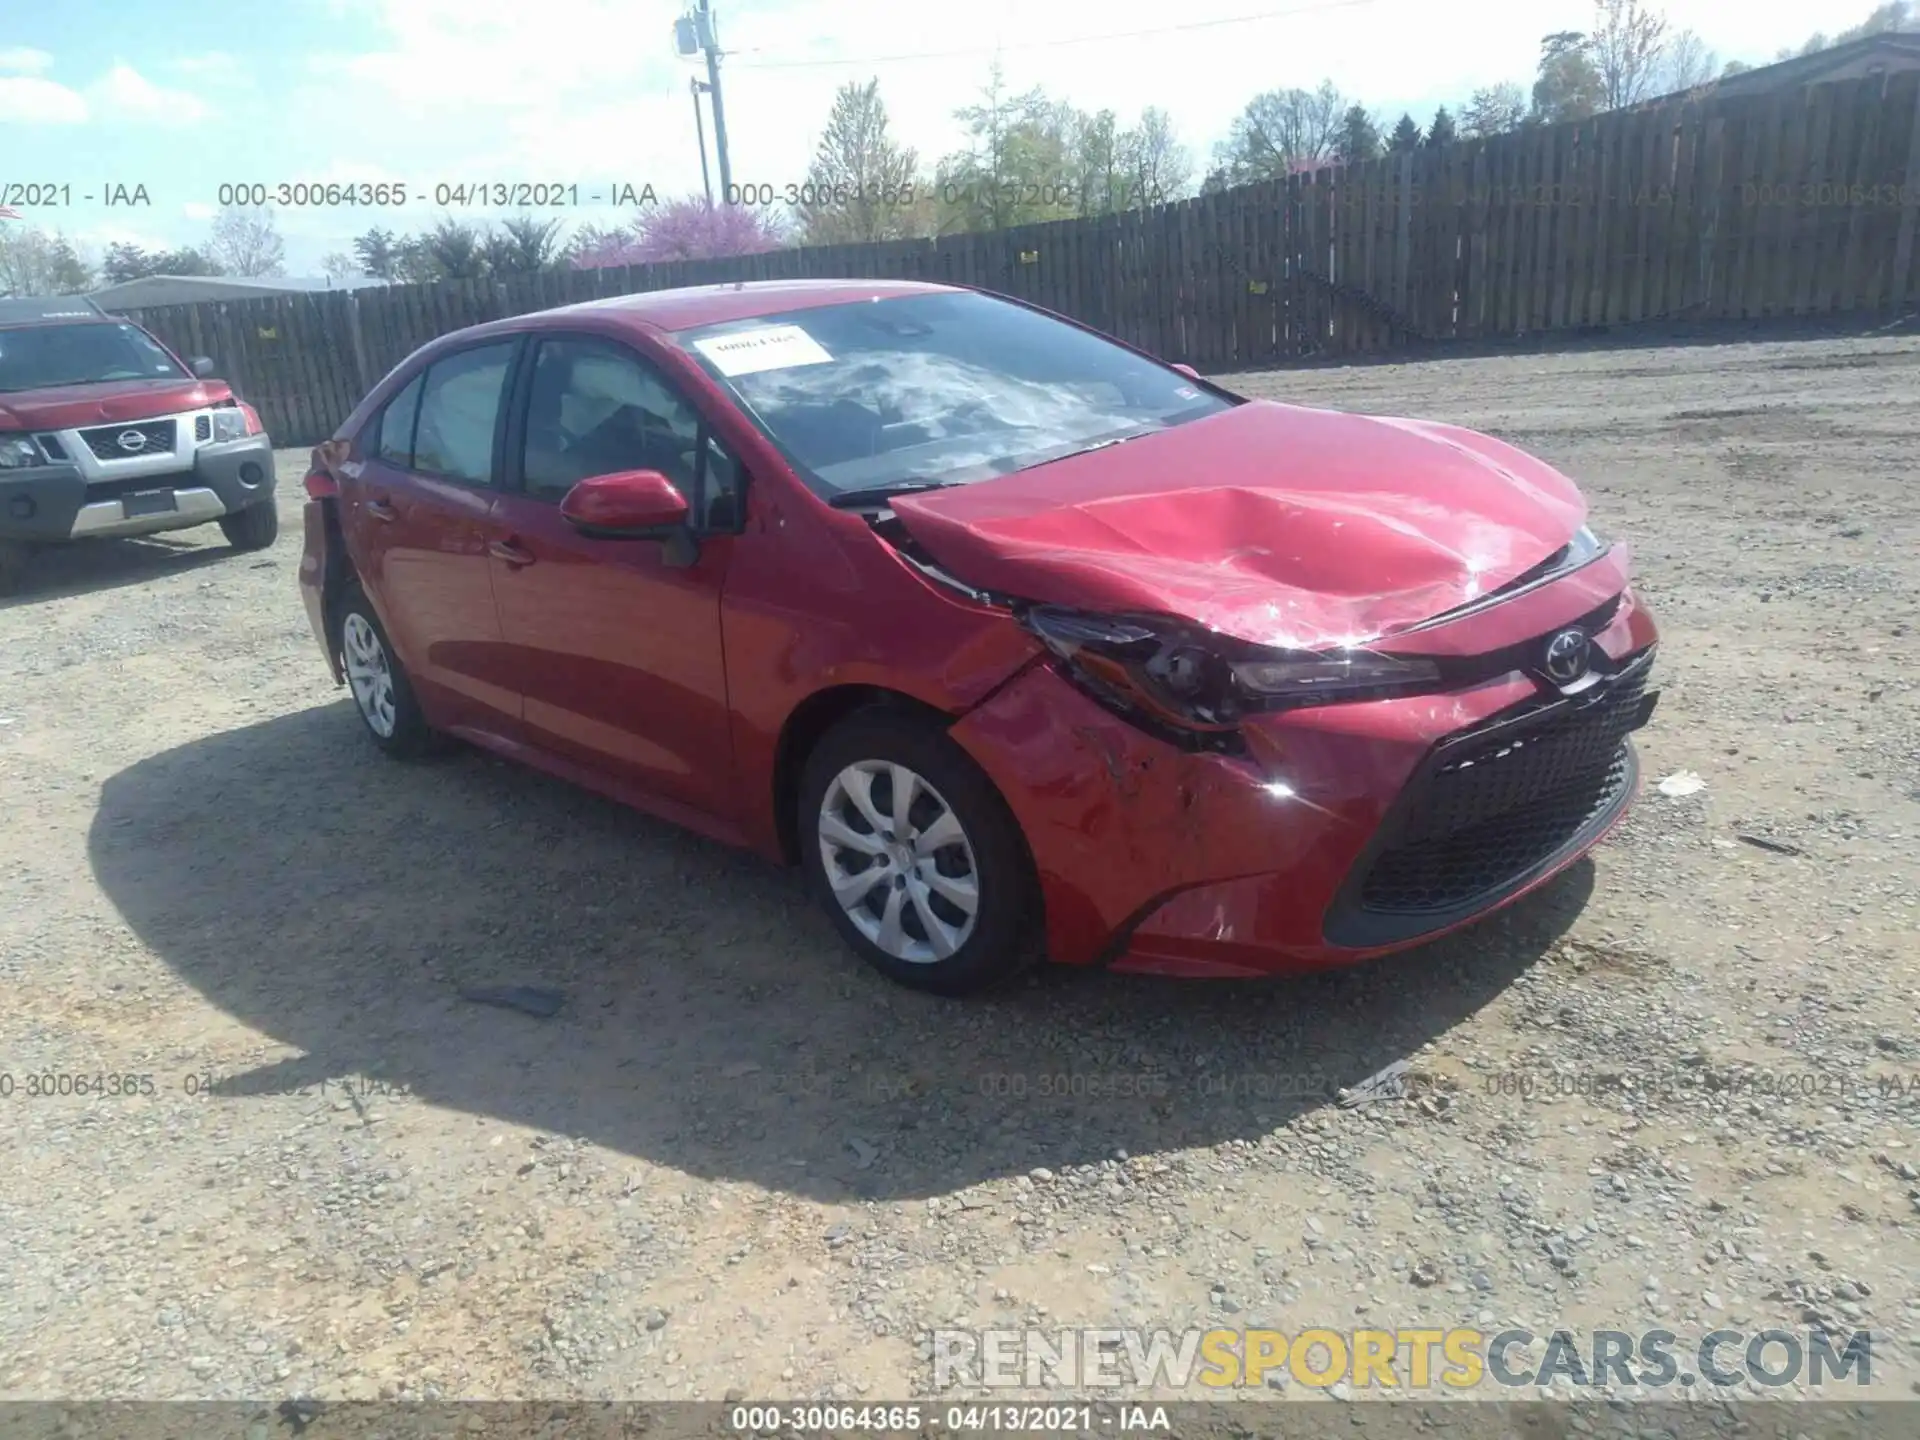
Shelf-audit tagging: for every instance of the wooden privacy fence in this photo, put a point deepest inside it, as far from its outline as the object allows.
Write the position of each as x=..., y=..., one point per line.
x=1800, y=203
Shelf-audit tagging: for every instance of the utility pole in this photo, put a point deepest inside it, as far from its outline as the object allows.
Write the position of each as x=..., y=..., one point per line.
x=710, y=42
x=693, y=34
x=700, y=130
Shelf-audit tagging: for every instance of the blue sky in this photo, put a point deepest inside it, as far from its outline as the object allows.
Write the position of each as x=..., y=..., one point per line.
x=182, y=98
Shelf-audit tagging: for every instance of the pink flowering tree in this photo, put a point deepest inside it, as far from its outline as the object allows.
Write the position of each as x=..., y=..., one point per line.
x=685, y=229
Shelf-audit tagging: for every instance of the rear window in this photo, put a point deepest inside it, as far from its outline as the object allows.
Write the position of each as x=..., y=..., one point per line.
x=35, y=357
x=948, y=387
x=396, y=426
x=459, y=410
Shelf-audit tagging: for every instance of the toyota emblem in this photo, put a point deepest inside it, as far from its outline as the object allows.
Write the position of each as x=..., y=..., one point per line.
x=1566, y=658
x=130, y=441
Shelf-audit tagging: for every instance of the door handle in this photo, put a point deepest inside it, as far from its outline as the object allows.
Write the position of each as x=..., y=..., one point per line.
x=380, y=510
x=514, y=555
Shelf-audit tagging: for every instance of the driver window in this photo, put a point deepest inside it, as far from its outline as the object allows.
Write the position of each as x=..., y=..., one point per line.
x=593, y=409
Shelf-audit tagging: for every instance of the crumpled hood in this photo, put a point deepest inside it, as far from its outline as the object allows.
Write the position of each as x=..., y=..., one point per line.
x=65, y=407
x=1276, y=523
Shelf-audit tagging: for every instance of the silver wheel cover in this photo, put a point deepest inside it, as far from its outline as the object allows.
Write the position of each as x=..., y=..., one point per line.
x=899, y=861
x=369, y=674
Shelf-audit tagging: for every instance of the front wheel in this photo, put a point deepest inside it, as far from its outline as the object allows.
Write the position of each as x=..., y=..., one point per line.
x=915, y=856
x=253, y=528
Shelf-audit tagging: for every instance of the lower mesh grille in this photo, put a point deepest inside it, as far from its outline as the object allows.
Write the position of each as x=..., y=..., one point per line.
x=1450, y=869
x=1493, y=806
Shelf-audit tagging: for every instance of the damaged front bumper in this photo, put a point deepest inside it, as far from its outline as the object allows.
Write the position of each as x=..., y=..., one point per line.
x=1342, y=832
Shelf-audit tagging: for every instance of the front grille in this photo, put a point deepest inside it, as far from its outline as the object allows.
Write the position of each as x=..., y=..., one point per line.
x=202, y=428
x=1449, y=870
x=156, y=438
x=1493, y=807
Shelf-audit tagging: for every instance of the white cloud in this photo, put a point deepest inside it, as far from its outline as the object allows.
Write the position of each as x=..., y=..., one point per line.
x=29, y=100
x=23, y=60
x=124, y=93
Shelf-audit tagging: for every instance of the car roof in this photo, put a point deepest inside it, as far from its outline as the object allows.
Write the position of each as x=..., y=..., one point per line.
x=51, y=310
x=694, y=305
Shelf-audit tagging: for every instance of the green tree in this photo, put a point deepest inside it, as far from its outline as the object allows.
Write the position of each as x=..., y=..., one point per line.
x=523, y=245
x=1441, y=131
x=1405, y=137
x=1569, y=86
x=1014, y=170
x=376, y=253
x=1278, y=132
x=861, y=182
x=1359, y=137
x=455, y=251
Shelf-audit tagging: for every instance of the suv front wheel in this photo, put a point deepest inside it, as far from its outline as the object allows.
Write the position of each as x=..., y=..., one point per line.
x=253, y=528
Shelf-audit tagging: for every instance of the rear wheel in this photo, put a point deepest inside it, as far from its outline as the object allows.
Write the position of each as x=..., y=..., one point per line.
x=14, y=555
x=915, y=856
x=381, y=691
x=253, y=528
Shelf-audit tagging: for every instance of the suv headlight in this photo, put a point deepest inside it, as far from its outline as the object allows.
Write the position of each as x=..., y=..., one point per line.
x=18, y=451
x=1198, y=684
x=229, y=423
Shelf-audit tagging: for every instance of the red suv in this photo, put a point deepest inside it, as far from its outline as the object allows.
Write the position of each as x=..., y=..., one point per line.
x=105, y=431
x=1019, y=640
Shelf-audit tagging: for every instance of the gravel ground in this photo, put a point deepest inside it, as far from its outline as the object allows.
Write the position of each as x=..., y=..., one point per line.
x=1671, y=1089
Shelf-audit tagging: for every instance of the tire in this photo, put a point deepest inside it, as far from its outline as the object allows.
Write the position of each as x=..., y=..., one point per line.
x=382, y=694
x=14, y=555
x=849, y=783
x=254, y=528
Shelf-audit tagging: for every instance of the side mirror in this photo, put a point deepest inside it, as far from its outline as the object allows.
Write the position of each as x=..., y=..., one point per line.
x=202, y=366
x=632, y=505
x=1188, y=371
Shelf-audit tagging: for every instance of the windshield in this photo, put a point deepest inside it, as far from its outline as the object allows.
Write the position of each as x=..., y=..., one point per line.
x=38, y=356
x=938, y=388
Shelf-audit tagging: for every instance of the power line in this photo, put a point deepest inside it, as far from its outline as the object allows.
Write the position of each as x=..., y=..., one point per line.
x=1044, y=44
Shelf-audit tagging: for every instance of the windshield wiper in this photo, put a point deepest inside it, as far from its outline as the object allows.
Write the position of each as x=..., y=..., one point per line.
x=878, y=494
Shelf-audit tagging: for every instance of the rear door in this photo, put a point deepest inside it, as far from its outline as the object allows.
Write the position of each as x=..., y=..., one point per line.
x=418, y=520
x=617, y=644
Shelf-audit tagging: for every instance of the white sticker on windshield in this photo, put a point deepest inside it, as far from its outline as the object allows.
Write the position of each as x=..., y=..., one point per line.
x=771, y=347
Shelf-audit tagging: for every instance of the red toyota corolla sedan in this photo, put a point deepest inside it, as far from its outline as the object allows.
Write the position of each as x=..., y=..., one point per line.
x=1021, y=641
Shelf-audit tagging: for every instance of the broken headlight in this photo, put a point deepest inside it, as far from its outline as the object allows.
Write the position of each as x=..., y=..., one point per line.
x=1199, y=682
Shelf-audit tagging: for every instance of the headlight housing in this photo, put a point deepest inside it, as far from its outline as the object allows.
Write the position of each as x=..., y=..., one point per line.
x=18, y=451
x=230, y=423
x=1195, y=685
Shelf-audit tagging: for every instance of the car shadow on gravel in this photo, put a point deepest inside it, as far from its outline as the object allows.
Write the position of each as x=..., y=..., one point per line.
x=62, y=571
x=339, y=902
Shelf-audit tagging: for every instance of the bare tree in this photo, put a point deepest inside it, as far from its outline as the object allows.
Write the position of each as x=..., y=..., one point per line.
x=1687, y=63
x=1281, y=131
x=1154, y=164
x=338, y=265
x=1493, y=111
x=245, y=242
x=1626, y=45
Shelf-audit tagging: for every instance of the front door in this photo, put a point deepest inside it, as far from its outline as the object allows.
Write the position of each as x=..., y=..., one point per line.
x=616, y=646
